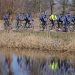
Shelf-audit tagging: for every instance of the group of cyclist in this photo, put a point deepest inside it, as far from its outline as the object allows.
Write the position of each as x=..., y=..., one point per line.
x=19, y=17
x=24, y=17
x=60, y=22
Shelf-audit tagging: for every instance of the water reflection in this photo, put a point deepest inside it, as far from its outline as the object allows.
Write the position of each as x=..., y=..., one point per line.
x=17, y=65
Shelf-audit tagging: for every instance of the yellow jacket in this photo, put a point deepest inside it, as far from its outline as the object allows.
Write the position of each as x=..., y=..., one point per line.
x=53, y=17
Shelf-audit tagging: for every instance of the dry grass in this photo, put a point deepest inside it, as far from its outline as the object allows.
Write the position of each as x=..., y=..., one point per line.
x=36, y=40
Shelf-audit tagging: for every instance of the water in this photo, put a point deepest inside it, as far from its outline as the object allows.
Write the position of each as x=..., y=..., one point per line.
x=19, y=68
x=17, y=65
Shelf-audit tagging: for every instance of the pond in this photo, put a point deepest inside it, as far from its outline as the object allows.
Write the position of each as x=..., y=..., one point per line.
x=23, y=65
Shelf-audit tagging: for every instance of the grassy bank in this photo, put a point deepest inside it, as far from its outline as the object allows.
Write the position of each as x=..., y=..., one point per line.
x=38, y=40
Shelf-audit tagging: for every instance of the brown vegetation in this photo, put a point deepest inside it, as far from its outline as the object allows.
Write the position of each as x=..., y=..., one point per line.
x=36, y=40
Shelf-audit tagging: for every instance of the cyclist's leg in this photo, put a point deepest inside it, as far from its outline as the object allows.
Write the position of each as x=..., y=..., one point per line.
x=6, y=24
x=58, y=22
x=43, y=25
x=65, y=28
x=29, y=24
x=25, y=26
x=17, y=25
x=52, y=22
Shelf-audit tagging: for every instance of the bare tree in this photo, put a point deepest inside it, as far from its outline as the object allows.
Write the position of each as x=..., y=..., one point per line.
x=64, y=4
x=34, y=6
x=51, y=6
x=73, y=2
x=73, y=6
